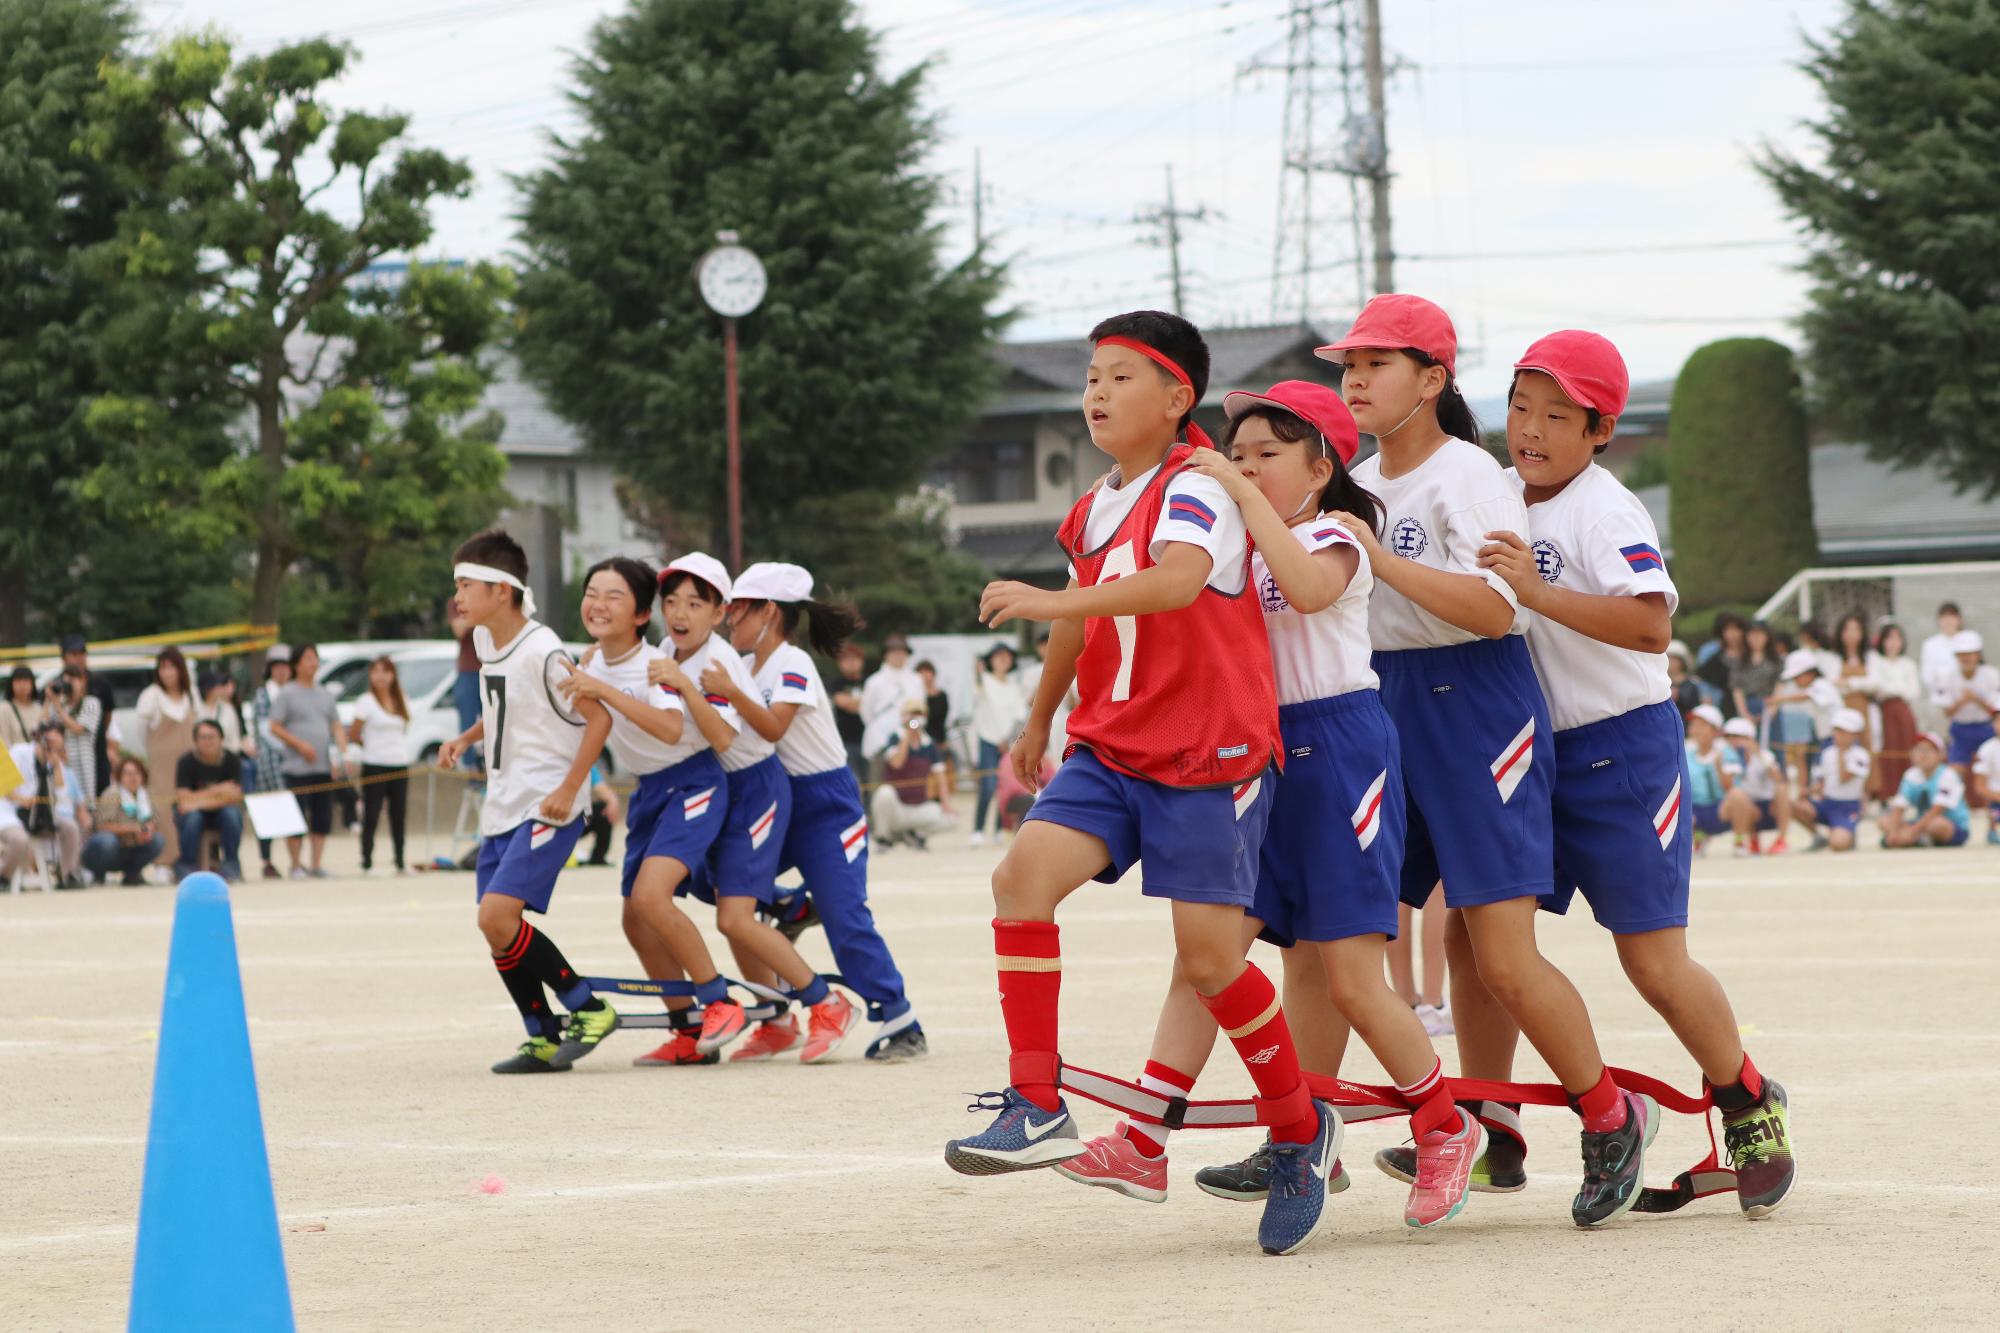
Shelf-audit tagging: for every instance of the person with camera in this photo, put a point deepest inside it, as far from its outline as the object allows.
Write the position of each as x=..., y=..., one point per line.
x=88, y=703
x=906, y=808
x=54, y=805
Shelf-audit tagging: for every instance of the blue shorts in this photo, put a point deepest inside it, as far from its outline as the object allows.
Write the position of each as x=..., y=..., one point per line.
x=1966, y=738
x=1959, y=834
x=1766, y=820
x=1837, y=814
x=1478, y=762
x=1708, y=818
x=1199, y=844
x=676, y=812
x=524, y=861
x=1620, y=839
x=743, y=863
x=1333, y=851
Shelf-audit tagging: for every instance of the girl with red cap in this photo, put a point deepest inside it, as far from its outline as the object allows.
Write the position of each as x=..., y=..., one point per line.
x=1477, y=754
x=1603, y=606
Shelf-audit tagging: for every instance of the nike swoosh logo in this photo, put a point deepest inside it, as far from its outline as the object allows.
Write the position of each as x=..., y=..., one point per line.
x=1032, y=1132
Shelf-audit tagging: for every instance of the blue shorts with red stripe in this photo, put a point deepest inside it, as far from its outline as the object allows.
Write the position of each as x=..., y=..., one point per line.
x=675, y=813
x=1199, y=844
x=1964, y=741
x=524, y=861
x=1708, y=818
x=743, y=863
x=1835, y=813
x=1333, y=852
x=1478, y=760
x=1623, y=835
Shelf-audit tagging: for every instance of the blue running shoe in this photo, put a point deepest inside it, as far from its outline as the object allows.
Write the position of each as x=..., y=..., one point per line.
x=1295, y=1209
x=1021, y=1138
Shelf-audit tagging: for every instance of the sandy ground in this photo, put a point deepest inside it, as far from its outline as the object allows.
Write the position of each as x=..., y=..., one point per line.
x=780, y=1195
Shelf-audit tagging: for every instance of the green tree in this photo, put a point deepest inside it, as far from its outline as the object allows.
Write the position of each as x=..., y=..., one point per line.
x=868, y=356
x=59, y=206
x=1739, y=473
x=1903, y=218
x=355, y=454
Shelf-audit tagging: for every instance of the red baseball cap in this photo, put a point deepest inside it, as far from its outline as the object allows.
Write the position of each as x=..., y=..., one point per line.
x=1396, y=320
x=1315, y=404
x=1585, y=366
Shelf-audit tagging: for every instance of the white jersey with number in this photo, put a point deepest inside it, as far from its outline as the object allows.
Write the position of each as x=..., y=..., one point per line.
x=1594, y=537
x=812, y=743
x=1438, y=515
x=748, y=748
x=1326, y=653
x=531, y=735
x=692, y=742
x=637, y=750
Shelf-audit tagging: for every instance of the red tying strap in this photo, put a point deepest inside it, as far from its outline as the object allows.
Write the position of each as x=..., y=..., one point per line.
x=1289, y=1109
x=1196, y=436
x=1029, y=1068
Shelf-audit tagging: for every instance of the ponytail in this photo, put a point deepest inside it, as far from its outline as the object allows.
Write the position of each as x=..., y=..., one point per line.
x=828, y=624
x=1344, y=492
x=1455, y=416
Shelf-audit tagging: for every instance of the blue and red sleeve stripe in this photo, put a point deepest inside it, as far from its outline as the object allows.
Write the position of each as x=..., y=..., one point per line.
x=1188, y=509
x=793, y=680
x=1642, y=557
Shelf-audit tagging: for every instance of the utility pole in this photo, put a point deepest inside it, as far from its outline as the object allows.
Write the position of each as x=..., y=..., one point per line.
x=1377, y=159
x=1169, y=220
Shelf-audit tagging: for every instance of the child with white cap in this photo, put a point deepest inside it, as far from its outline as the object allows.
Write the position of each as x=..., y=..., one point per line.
x=1840, y=780
x=1761, y=801
x=1712, y=771
x=1929, y=809
x=1986, y=780
x=1800, y=710
x=1968, y=697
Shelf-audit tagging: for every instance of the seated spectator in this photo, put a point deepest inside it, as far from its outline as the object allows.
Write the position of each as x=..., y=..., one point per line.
x=1801, y=709
x=127, y=838
x=1712, y=772
x=1761, y=800
x=1968, y=696
x=1840, y=781
x=54, y=802
x=1986, y=781
x=22, y=717
x=208, y=794
x=1686, y=690
x=905, y=806
x=17, y=850
x=1929, y=810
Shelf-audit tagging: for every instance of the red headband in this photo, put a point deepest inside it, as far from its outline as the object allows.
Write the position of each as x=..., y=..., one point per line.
x=1196, y=436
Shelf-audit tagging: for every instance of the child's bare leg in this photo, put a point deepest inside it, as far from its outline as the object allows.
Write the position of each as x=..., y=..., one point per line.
x=1402, y=952
x=653, y=899
x=1318, y=1029
x=1534, y=992
x=1434, y=952
x=1687, y=996
x=1487, y=1034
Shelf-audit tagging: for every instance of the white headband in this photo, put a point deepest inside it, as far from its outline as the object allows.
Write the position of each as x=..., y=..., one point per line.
x=488, y=574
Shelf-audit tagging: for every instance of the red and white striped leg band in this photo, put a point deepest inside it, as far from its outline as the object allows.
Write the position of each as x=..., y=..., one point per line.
x=1356, y=1102
x=1032, y=1068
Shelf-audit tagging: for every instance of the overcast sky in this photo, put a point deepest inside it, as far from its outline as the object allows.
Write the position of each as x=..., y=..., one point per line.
x=1558, y=162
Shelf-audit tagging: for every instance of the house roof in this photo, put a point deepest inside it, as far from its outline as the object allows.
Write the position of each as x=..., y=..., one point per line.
x=532, y=428
x=1868, y=511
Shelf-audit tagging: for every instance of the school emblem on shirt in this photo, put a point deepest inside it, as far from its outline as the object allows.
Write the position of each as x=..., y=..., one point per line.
x=1548, y=560
x=1409, y=538
x=1274, y=601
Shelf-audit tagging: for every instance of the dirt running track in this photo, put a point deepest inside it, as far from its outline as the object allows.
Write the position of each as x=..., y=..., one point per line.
x=818, y=1197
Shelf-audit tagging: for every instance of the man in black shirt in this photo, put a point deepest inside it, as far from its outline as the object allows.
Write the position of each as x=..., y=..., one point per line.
x=208, y=794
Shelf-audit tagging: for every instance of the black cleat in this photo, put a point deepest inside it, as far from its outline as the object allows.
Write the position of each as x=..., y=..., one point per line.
x=1249, y=1181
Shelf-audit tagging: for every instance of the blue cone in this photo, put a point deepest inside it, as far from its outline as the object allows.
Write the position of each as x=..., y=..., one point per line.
x=209, y=1253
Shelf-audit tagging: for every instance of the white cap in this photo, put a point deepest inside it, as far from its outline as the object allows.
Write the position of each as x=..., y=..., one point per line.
x=1679, y=649
x=1967, y=641
x=278, y=652
x=1798, y=662
x=1708, y=713
x=774, y=581
x=1850, y=720
x=1740, y=726
x=704, y=567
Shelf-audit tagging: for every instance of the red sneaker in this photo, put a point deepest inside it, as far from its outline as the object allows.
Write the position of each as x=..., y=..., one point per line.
x=1114, y=1162
x=1444, y=1172
x=769, y=1040
x=722, y=1021
x=829, y=1022
x=678, y=1049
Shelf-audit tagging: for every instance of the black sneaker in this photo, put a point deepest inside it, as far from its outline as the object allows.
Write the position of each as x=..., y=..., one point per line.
x=794, y=916
x=1249, y=1181
x=1501, y=1169
x=906, y=1043
x=1614, y=1164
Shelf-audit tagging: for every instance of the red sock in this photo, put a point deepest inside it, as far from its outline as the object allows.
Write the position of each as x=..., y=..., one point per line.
x=1029, y=956
x=1248, y=1012
x=1431, y=1108
x=1168, y=1082
x=1603, y=1107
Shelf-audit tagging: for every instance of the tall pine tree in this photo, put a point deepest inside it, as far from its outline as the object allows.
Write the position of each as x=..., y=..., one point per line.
x=1903, y=216
x=869, y=355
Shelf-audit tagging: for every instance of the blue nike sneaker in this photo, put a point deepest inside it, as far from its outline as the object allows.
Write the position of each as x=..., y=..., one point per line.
x=1021, y=1138
x=1295, y=1209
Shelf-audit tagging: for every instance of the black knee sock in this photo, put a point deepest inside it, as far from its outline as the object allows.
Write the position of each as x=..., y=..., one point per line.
x=547, y=964
x=525, y=986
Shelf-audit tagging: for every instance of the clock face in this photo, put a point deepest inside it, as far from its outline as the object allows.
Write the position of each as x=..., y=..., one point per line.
x=732, y=281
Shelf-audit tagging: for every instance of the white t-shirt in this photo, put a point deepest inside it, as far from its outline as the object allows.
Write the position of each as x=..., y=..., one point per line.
x=1438, y=516
x=1326, y=653
x=1895, y=677
x=531, y=736
x=637, y=750
x=1761, y=773
x=1983, y=684
x=384, y=735
x=156, y=706
x=692, y=742
x=1842, y=773
x=748, y=748
x=882, y=700
x=812, y=743
x=1986, y=763
x=1939, y=662
x=1595, y=537
x=1196, y=511
x=999, y=706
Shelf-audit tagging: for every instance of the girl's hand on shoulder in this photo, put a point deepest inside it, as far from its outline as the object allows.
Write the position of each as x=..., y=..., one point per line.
x=1217, y=468
x=1509, y=557
x=667, y=673
x=1360, y=530
x=715, y=679
x=580, y=684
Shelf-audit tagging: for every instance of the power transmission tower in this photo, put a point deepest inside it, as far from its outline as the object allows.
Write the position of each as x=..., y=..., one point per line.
x=1168, y=220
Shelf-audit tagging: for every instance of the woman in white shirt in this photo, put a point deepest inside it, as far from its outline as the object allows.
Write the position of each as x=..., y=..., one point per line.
x=1898, y=686
x=166, y=710
x=999, y=707
x=218, y=705
x=382, y=724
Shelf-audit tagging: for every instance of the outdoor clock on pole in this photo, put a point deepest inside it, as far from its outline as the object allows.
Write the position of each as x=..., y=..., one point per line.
x=732, y=281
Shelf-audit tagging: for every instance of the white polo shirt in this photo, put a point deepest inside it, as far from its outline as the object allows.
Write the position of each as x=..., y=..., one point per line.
x=812, y=743
x=637, y=750
x=1326, y=653
x=1594, y=537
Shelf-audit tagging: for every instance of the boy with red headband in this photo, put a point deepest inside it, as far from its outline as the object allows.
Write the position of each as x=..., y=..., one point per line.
x=1165, y=765
x=1603, y=609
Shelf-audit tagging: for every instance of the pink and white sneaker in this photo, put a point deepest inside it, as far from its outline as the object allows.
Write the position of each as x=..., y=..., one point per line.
x=827, y=1025
x=1114, y=1162
x=1444, y=1172
x=769, y=1040
x=722, y=1021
